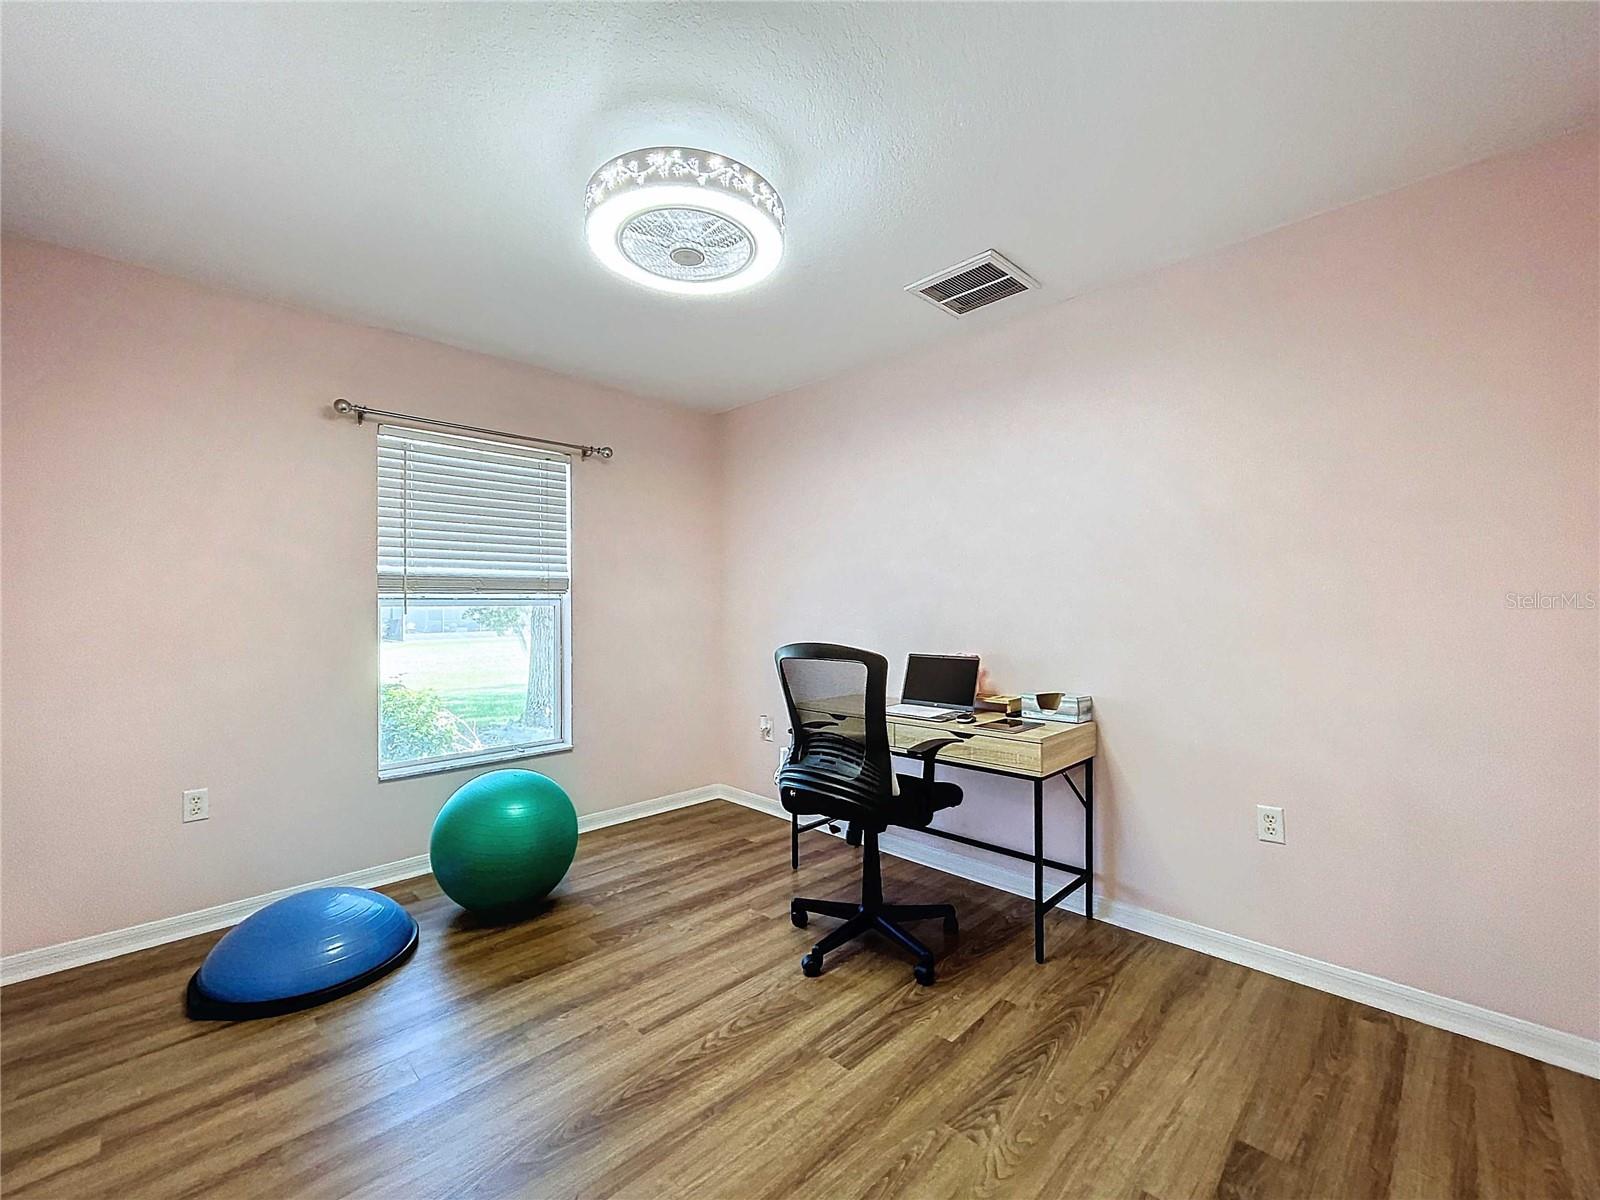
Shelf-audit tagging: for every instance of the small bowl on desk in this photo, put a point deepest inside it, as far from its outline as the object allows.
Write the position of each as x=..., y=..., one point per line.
x=1048, y=701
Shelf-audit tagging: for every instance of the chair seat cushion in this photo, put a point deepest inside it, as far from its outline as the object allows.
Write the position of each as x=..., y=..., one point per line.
x=918, y=801
x=834, y=778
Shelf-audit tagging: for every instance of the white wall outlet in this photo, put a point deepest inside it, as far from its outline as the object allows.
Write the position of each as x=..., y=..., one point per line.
x=766, y=728
x=196, y=805
x=1269, y=824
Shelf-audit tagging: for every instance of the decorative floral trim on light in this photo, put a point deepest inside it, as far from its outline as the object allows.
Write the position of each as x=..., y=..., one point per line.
x=676, y=164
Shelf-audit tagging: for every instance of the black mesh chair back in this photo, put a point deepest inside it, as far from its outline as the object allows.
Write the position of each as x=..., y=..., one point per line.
x=836, y=699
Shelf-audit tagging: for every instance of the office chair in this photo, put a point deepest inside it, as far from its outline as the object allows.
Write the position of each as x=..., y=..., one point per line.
x=838, y=765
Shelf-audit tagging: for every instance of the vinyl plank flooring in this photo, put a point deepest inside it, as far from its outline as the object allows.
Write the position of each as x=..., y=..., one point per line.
x=648, y=1035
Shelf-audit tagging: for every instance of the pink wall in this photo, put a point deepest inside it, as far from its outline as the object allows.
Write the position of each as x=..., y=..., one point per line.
x=1266, y=506
x=179, y=499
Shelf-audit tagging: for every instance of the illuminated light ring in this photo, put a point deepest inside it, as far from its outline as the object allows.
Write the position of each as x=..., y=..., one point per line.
x=668, y=178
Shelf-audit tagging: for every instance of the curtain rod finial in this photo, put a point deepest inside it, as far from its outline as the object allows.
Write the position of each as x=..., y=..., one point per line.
x=343, y=407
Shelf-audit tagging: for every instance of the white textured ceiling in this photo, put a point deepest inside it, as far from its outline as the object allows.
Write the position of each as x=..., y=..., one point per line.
x=422, y=167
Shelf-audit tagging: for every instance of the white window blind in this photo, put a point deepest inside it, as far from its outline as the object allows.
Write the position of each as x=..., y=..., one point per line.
x=461, y=515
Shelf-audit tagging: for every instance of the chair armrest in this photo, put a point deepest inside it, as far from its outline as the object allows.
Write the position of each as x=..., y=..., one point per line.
x=929, y=750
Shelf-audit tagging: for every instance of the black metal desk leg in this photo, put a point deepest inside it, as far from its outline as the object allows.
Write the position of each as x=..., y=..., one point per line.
x=1038, y=870
x=794, y=841
x=1088, y=839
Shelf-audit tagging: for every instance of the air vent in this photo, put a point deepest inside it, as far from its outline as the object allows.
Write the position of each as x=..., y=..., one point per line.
x=970, y=285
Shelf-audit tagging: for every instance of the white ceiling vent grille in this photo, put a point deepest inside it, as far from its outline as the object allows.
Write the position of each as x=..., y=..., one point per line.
x=969, y=285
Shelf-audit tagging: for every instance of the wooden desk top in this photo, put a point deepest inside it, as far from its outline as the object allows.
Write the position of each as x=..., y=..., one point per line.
x=1030, y=753
x=1053, y=746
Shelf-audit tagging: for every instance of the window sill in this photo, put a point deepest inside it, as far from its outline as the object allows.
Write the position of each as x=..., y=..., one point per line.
x=467, y=762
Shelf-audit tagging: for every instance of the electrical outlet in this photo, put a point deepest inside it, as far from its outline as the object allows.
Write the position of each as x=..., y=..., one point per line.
x=1269, y=824
x=196, y=805
x=766, y=728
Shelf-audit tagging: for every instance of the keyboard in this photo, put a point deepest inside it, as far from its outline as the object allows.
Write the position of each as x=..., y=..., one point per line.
x=924, y=712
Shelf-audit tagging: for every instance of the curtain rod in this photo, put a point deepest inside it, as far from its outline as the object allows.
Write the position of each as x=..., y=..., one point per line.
x=361, y=412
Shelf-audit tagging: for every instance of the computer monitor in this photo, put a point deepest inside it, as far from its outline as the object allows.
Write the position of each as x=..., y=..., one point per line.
x=941, y=680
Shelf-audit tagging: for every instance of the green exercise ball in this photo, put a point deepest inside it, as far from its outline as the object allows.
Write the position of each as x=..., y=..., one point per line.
x=504, y=839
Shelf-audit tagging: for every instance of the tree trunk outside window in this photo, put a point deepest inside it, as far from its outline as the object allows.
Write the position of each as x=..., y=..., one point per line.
x=539, y=707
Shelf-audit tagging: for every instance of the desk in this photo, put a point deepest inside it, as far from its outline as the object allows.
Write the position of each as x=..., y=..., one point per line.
x=1053, y=749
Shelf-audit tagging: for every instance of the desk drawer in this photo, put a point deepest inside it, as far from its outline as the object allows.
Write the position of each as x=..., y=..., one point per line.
x=1009, y=753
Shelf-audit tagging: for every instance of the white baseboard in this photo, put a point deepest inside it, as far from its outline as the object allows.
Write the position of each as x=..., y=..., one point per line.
x=46, y=960
x=648, y=808
x=1485, y=1025
x=1511, y=1033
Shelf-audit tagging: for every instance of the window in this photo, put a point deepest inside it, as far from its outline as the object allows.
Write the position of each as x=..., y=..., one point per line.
x=473, y=617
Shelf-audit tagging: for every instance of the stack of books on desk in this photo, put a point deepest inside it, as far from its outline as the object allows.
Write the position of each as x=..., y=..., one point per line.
x=1074, y=710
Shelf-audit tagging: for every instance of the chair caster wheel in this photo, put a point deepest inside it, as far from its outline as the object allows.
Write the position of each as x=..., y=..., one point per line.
x=924, y=973
x=811, y=965
x=798, y=916
x=950, y=926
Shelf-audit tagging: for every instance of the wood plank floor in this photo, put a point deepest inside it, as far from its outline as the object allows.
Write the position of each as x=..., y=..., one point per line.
x=650, y=1035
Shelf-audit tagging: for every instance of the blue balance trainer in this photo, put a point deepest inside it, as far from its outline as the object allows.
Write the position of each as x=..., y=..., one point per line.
x=301, y=951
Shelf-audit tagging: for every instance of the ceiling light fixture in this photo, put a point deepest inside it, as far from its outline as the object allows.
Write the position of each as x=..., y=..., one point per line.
x=684, y=221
